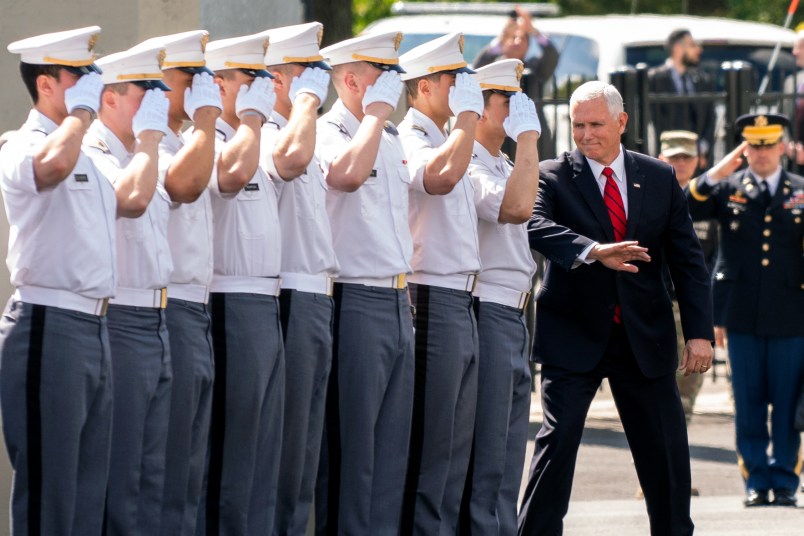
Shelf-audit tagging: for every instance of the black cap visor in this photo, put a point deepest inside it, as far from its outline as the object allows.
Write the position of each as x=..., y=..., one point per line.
x=152, y=84
x=196, y=70
x=81, y=71
x=387, y=67
x=257, y=73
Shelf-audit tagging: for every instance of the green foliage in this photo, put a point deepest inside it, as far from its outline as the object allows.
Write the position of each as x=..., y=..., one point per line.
x=367, y=11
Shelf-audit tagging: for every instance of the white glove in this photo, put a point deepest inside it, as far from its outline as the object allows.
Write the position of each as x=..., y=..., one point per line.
x=204, y=92
x=314, y=81
x=465, y=95
x=86, y=94
x=387, y=89
x=153, y=113
x=260, y=97
x=522, y=116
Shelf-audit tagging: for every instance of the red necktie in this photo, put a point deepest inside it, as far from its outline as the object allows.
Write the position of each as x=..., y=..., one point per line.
x=614, y=204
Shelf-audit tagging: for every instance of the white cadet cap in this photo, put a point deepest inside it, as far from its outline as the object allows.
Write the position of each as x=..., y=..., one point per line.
x=444, y=54
x=245, y=53
x=379, y=50
x=296, y=44
x=183, y=51
x=503, y=76
x=71, y=49
x=139, y=65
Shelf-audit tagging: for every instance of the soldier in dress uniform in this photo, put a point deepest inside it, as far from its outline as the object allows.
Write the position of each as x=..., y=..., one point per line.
x=120, y=142
x=301, y=81
x=446, y=260
x=504, y=194
x=185, y=170
x=246, y=427
x=759, y=281
x=55, y=382
x=371, y=389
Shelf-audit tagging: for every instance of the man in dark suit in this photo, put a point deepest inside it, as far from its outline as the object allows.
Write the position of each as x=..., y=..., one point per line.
x=606, y=218
x=759, y=287
x=680, y=76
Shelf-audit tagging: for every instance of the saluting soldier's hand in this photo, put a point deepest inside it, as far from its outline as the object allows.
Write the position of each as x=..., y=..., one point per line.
x=729, y=164
x=314, y=81
x=522, y=116
x=697, y=356
x=203, y=93
x=386, y=89
x=618, y=256
x=152, y=114
x=466, y=95
x=85, y=94
x=259, y=97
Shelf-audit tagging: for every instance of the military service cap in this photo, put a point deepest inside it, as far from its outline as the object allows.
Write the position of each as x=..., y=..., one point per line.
x=141, y=65
x=71, y=49
x=676, y=142
x=761, y=129
x=183, y=51
x=296, y=44
x=380, y=50
x=501, y=76
x=246, y=53
x=442, y=55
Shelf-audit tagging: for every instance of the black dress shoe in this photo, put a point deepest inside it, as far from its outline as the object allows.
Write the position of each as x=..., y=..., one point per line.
x=756, y=497
x=784, y=497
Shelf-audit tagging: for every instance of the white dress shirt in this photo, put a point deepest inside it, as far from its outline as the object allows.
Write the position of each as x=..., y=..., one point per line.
x=189, y=225
x=444, y=227
x=143, y=254
x=62, y=238
x=504, y=248
x=246, y=228
x=370, y=225
x=306, y=235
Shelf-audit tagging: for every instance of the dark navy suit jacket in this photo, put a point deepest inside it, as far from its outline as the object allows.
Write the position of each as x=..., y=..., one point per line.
x=575, y=307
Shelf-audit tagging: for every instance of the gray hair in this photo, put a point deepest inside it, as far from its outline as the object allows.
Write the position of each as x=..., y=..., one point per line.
x=595, y=90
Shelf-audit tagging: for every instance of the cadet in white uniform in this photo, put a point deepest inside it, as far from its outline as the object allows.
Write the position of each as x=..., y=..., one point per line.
x=55, y=381
x=504, y=198
x=301, y=80
x=446, y=261
x=122, y=142
x=185, y=169
x=246, y=428
x=371, y=392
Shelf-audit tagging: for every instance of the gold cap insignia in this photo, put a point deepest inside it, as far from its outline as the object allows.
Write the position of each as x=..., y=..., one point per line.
x=265, y=46
x=460, y=43
x=93, y=39
x=397, y=40
x=320, y=35
x=161, y=57
x=204, y=41
x=761, y=121
x=519, y=70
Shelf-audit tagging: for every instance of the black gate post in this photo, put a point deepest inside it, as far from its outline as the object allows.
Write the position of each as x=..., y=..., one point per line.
x=625, y=80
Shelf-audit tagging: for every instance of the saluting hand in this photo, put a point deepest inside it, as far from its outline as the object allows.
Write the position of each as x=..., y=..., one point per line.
x=465, y=95
x=259, y=97
x=152, y=114
x=522, y=116
x=314, y=81
x=729, y=164
x=85, y=94
x=386, y=89
x=203, y=93
x=618, y=256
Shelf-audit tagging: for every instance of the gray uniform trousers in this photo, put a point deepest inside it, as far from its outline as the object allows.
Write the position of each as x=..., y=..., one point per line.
x=501, y=424
x=142, y=376
x=56, y=399
x=307, y=330
x=444, y=408
x=190, y=405
x=245, y=437
x=360, y=487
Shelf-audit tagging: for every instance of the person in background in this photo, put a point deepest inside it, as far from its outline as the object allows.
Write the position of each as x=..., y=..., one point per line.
x=759, y=279
x=680, y=76
x=793, y=106
x=521, y=40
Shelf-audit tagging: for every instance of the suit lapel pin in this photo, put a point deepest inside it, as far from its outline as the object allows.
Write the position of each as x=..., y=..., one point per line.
x=637, y=185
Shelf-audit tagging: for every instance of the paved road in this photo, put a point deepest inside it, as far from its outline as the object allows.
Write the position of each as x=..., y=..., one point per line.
x=603, y=499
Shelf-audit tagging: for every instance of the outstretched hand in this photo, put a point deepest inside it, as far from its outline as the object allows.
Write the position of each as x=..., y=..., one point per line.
x=618, y=256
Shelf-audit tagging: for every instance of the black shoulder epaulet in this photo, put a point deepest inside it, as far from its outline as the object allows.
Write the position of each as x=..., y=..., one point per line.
x=390, y=128
x=221, y=135
x=419, y=128
x=273, y=124
x=507, y=158
x=341, y=128
x=97, y=143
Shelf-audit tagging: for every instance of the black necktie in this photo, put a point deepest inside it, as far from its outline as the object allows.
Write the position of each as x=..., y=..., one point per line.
x=764, y=193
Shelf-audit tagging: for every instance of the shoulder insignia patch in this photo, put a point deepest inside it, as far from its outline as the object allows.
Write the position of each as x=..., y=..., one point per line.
x=97, y=143
x=341, y=128
x=390, y=128
x=419, y=128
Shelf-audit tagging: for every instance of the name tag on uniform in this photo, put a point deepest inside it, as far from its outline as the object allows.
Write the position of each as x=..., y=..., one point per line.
x=252, y=187
x=373, y=173
x=81, y=177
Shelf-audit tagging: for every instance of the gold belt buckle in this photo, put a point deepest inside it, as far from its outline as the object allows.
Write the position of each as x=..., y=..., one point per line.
x=163, y=298
x=104, y=306
x=474, y=282
x=330, y=285
x=278, y=285
x=525, y=299
x=399, y=281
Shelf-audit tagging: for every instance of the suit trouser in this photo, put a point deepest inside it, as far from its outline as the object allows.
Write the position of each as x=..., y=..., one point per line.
x=653, y=421
x=501, y=424
x=190, y=405
x=245, y=437
x=368, y=413
x=142, y=376
x=444, y=406
x=767, y=370
x=56, y=398
x=307, y=330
